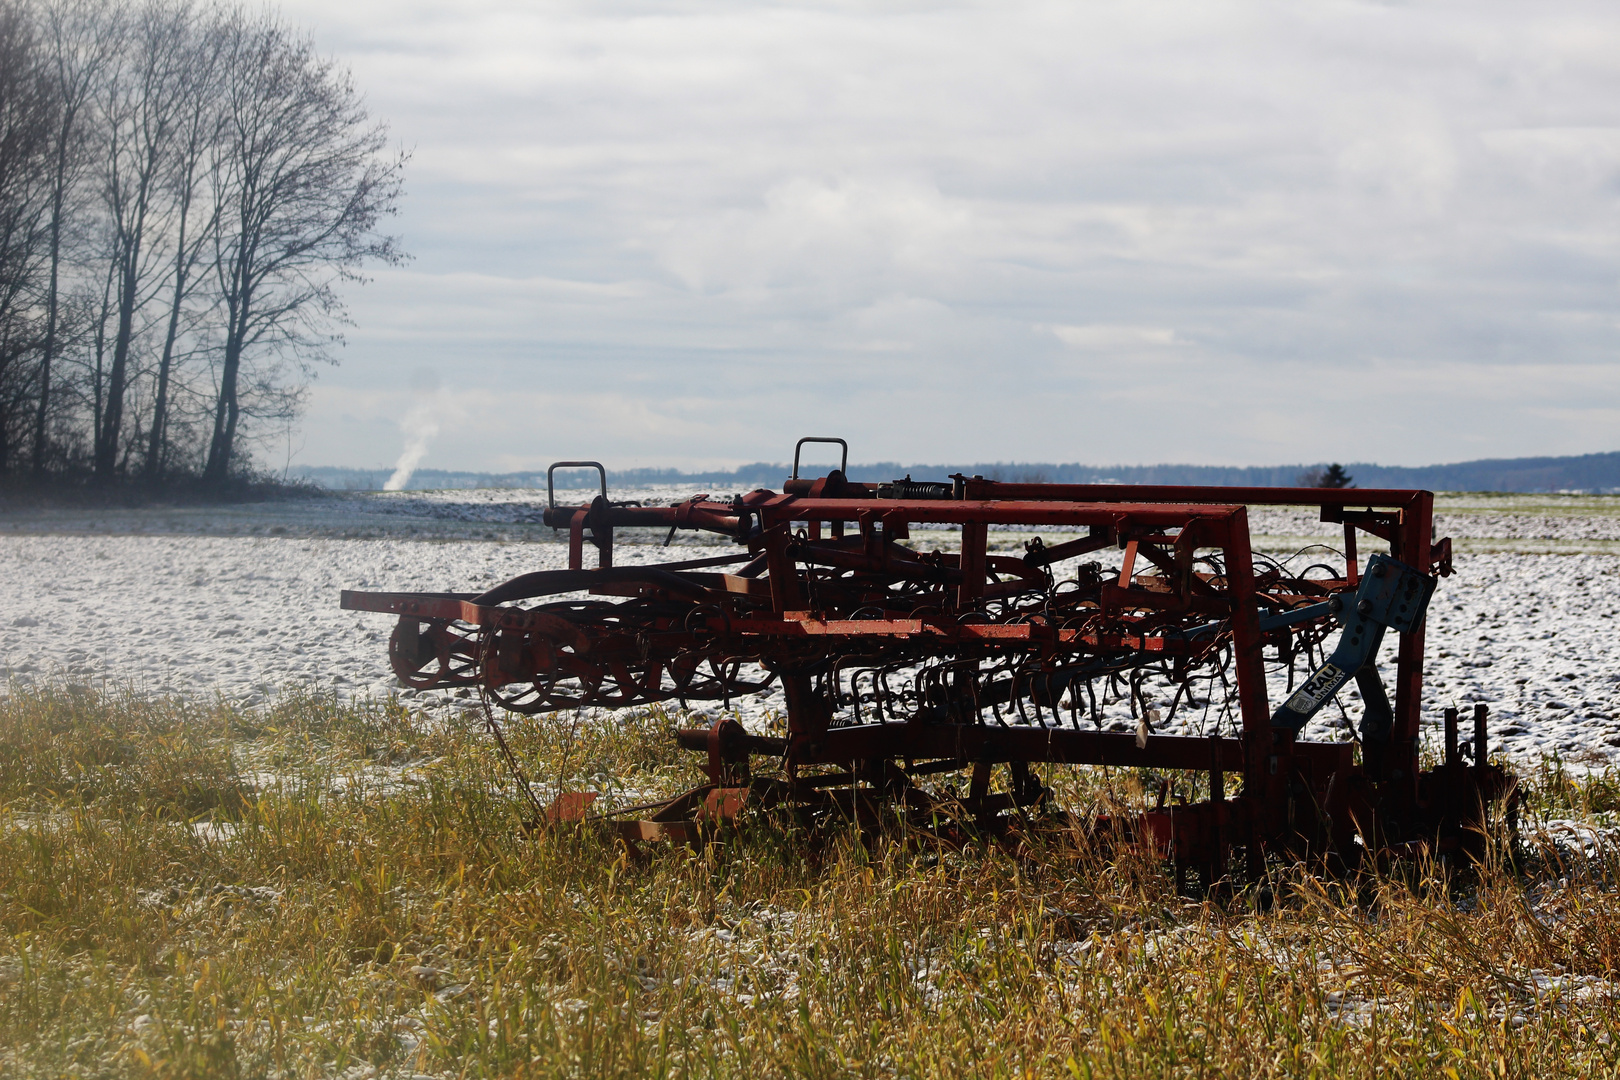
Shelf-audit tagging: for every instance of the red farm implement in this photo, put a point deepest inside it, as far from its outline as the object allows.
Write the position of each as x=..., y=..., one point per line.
x=907, y=645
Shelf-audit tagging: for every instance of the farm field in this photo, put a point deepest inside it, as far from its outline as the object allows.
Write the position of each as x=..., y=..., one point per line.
x=230, y=846
x=243, y=602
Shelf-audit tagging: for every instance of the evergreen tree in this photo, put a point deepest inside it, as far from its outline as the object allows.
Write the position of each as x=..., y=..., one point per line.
x=1335, y=477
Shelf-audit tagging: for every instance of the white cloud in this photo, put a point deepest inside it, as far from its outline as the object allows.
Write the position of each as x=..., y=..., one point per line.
x=1103, y=336
x=810, y=230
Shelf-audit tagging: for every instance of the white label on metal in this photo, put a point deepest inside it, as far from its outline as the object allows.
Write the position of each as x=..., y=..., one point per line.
x=1311, y=694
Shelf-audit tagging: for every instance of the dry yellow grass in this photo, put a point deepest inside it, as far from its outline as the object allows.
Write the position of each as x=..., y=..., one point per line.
x=318, y=890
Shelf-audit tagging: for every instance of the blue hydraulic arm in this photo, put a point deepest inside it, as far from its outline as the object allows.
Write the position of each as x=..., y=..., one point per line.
x=1391, y=595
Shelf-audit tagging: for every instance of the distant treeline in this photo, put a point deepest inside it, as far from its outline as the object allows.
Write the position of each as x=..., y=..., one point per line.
x=182, y=188
x=1587, y=473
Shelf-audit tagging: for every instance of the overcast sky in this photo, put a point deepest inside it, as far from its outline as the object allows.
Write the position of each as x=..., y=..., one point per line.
x=1247, y=233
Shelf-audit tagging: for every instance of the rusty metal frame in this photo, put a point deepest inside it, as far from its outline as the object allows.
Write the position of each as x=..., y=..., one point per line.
x=1299, y=798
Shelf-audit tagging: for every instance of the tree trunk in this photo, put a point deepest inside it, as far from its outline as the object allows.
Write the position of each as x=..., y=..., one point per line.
x=160, y=403
x=225, y=412
x=112, y=418
x=5, y=417
x=226, y=408
x=98, y=380
x=52, y=294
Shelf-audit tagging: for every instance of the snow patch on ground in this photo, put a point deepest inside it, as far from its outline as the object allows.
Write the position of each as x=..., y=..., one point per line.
x=243, y=602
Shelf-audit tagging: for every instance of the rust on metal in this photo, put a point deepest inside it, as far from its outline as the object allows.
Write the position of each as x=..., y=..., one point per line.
x=898, y=662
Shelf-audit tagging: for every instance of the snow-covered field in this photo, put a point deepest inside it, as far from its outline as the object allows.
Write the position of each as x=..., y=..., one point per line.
x=243, y=601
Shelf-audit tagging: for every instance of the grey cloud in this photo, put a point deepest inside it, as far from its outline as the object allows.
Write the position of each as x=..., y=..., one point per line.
x=1100, y=232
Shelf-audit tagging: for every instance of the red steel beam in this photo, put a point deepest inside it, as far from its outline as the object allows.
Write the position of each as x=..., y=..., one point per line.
x=1166, y=493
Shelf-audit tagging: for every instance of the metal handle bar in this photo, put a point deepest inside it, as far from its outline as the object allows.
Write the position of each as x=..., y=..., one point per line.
x=551, y=493
x=843, y=465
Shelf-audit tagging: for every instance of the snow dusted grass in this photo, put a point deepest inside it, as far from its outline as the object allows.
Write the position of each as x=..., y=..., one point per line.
x=316, y=888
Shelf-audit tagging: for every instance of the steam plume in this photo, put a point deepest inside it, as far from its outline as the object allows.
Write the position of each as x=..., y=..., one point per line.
x=421, y=426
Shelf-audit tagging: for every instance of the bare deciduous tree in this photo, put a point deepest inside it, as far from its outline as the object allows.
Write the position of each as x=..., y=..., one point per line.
x=198, y=132
x=81, y=43
x=183, y=191
x=149, y=107
x=27, y=118
x=303, y=178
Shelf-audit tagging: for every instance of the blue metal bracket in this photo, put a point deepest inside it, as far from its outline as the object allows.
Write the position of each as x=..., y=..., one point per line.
x=1391, y=596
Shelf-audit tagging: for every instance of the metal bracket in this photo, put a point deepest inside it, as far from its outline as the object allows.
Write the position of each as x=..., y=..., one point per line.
x=551, y=491
x=843, y=465
x=1391, y=595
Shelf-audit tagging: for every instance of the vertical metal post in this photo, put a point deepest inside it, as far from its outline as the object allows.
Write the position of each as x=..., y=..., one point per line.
x=1217, y=799
x=975, y=538
x=1266, y=751
x=808, y=717
x=576, y=541
x=1352, y=569
x=1482, y=750
x=1246, y=640
x=1415, y=535
x=1451, y=736
x=787, y=591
